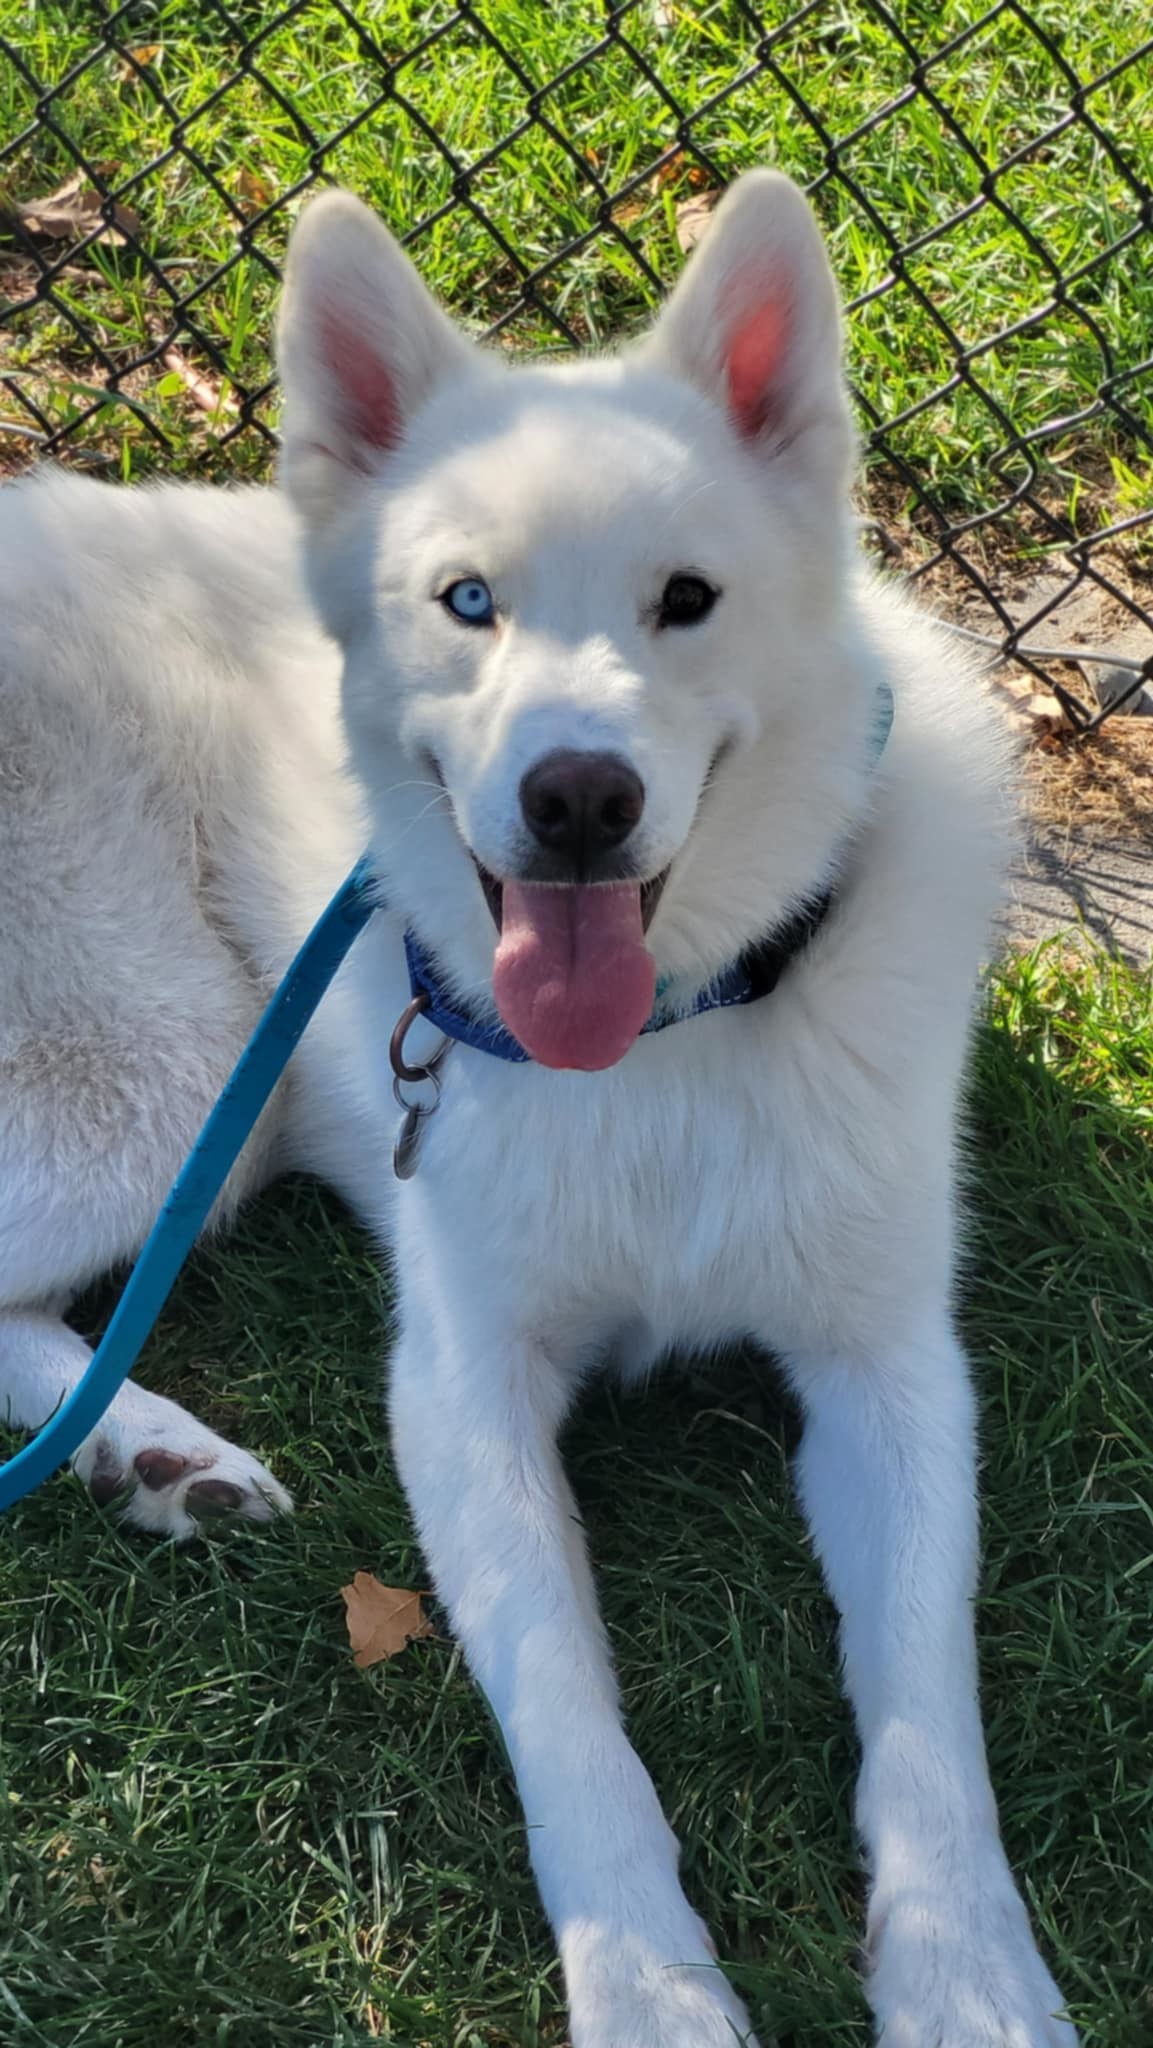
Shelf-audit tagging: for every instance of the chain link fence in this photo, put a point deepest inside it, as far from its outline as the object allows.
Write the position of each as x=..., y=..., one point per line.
x=984, y=176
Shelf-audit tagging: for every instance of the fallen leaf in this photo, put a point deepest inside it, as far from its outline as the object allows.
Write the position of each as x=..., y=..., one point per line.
x=254, y=195
x=626, y=212
x=1049, y=720
x=666, y=15
x=671, y=169
x=381, y=1619
x=692, y=216
x=73, y=210
x=137, y=60
x=675, y=168
x=201, y=389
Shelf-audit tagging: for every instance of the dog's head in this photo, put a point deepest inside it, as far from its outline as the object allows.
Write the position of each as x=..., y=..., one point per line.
x=598, y=678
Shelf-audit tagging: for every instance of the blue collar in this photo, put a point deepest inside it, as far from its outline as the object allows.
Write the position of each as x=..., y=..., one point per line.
x=251, y=1083
x=755, y=973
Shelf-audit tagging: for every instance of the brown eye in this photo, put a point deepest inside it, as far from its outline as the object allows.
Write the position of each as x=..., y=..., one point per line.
x=686, y=600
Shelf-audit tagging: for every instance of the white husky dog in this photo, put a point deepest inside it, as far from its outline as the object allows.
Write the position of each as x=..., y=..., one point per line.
x=613, y=694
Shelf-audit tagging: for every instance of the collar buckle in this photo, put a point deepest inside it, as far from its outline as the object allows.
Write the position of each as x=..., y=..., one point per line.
x=406, y=1151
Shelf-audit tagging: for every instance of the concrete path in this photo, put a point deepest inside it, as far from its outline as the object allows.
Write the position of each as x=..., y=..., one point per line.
x=1065, y=875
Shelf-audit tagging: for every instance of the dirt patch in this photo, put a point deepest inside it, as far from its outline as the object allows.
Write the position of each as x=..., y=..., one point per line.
x=1016, y=573
x=1088, y=855
x=1100, y=787
x=1088, y=801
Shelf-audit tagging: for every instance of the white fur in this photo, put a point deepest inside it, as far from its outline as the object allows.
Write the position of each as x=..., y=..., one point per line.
x=783, y=1171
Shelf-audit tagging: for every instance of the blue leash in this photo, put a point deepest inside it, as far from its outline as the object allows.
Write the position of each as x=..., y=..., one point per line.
x=199, y=1182
x=232, y=1118
x=253, y=1079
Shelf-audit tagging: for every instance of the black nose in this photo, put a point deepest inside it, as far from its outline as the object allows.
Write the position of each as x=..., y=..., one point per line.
x=581, y=805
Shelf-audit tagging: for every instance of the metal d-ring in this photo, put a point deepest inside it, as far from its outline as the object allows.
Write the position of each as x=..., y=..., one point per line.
x=405, y=1151
x=404, y=1023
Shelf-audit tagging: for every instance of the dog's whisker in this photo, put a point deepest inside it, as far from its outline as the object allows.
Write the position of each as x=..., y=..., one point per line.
x=690, y=498
x=390, y=846
x=415, y=782
x=778, y=1170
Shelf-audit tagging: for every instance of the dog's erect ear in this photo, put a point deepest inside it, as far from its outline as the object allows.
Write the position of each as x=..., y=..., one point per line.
x=360, y=344
x=755, y=323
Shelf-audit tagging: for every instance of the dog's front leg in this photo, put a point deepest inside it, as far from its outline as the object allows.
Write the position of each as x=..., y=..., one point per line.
x=888, y=1478
x=474, y=1418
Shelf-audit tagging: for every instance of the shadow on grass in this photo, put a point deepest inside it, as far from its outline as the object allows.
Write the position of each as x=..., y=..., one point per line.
x=220, y=1831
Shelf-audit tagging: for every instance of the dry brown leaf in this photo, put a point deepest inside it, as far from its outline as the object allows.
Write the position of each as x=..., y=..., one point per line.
x=669, y=171
x=626, y=212
x=201, y=389
x=381, y=1619
x=675, y=168
x=143, y=54
x=73, y=210
x=1047, y=711
x=252, y=192
x=693, y=218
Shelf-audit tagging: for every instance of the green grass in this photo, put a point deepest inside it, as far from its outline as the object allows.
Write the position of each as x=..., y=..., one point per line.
x=220, y=1832
x=1004, y=84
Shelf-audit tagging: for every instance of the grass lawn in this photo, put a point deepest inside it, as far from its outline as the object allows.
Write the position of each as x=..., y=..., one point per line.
x=220, y=1832
x=217, y=1832
x=547, y=122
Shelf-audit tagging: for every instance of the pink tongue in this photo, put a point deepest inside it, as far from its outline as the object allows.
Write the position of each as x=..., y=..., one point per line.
x=572, y=979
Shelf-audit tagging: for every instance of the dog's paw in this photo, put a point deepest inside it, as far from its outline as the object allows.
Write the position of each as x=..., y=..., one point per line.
x=954, y=1972
x=170, y=1472
x=624, y=1994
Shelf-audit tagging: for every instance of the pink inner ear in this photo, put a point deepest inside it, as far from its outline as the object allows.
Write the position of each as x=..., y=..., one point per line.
x=367, y=390
x=754, y=356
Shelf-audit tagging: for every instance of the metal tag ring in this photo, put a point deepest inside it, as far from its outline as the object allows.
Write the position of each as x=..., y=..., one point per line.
x=403, y=1026
x=420, y=1108
x=401, y=1070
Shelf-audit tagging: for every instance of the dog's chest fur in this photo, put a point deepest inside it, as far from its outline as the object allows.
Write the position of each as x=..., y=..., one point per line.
x=725, y=1175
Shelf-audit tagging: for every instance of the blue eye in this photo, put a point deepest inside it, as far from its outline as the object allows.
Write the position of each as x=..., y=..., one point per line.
x=470, y=601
